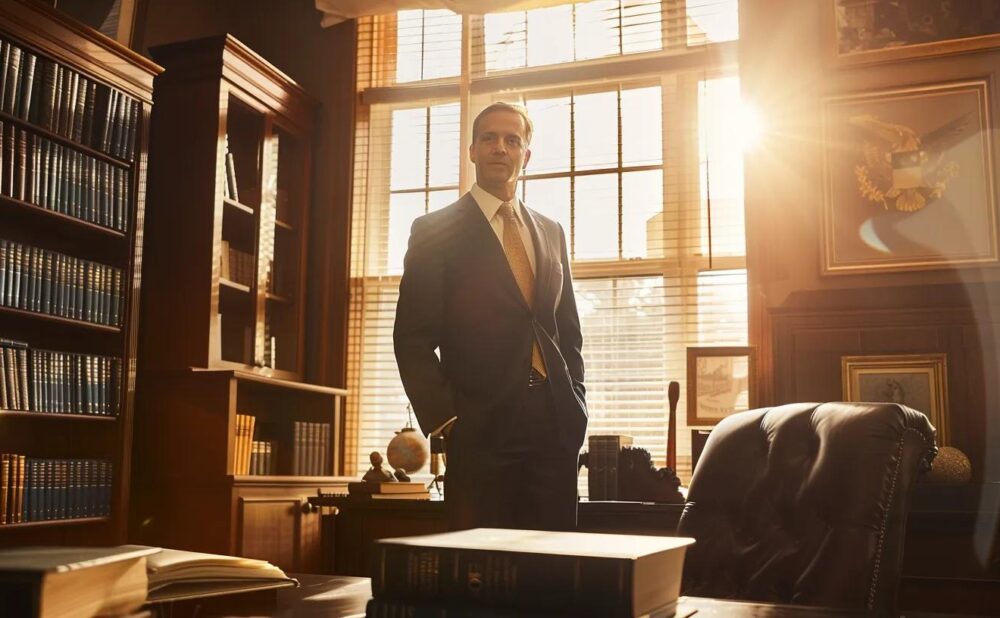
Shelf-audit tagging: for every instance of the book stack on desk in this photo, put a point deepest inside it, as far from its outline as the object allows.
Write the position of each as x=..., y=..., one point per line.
x=489, y=573
x=389, y=490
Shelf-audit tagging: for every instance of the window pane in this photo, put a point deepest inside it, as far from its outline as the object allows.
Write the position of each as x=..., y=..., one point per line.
x=409, y=45
x=439, y=199
x=596, y=217
x=442, y=44
x=403, y=209
x=721, y=166
x=722, y=307
x=642, y=214
x=550, y=35
x=712, y=21
x=506, y=44
x=642, y=135
x=409, y=149
x=596, y=130
x=549, y=196
x=625, y=349
x=550, y=144
x=444, y=145
x=641, y=27
x=597, y=29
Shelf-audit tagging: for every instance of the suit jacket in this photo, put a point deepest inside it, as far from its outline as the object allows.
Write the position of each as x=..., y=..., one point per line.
x=458, y=295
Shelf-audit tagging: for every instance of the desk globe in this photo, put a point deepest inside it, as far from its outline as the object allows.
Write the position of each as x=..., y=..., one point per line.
x=408, y=451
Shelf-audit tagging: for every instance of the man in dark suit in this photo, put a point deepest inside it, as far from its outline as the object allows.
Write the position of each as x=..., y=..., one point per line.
x=486, y=284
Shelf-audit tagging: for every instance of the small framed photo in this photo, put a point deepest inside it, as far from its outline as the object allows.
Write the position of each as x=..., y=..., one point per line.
x=719, y=382
x=919, y=381
x=866, y=31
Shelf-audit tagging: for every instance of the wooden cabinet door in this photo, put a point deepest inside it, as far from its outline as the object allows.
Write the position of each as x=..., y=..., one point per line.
x=310, y=554
x=270, y=530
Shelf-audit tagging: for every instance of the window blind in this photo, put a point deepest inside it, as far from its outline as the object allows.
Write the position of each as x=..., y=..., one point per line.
x=641, y=169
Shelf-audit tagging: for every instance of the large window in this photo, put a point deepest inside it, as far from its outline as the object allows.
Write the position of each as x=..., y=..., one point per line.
x=636, y=109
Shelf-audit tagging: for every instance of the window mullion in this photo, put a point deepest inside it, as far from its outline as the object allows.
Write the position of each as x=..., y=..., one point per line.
x=621, y=179
x=572, y=177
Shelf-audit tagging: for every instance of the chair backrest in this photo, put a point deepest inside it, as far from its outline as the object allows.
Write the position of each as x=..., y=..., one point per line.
x=805, y=503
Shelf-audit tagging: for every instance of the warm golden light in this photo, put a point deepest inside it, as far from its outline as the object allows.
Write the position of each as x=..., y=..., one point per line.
x=751, y=126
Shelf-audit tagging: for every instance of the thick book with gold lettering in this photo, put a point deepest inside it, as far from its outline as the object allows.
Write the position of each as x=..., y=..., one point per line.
x=72, y=582
x=576, y=573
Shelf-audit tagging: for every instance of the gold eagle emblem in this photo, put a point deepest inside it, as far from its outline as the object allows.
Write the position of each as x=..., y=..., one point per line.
x=900, y=169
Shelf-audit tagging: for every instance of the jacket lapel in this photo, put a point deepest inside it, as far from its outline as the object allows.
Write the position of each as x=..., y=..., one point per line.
x=543, y=258
x=482, y=238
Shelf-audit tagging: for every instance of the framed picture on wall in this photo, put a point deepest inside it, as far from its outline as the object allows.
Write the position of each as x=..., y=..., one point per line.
x=719, y=382
x=113, y=18
x=908, y=179
x=919, y=381
x=863, y=31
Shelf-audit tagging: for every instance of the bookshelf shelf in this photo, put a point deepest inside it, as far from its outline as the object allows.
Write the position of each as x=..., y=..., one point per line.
x=45, y=317
x=60, y=416
x=83, y=153
x=281, y=225
x=232, y=285
x=51, y=523
x=278, y=298
x=59, y=218
x=65, y=141
x=243, y=208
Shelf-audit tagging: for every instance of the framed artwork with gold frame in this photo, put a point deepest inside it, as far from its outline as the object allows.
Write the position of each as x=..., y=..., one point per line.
x=720, y=381
x=868, y=31
x=919, y=381
x=908, y=179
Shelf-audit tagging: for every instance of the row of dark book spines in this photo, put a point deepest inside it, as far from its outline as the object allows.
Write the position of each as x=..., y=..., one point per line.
x=63, y=101
x=58, y=382
x=262, y=459
x=33, y=489
x=311, y=449
x=602, y=466
x=47, y=282
x=39, y=171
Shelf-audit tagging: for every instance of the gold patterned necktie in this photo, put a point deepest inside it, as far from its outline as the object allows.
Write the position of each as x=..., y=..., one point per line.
x=517, y=257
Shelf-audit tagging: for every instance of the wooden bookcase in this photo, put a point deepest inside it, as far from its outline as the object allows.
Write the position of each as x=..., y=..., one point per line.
x=74, y=114
x=223, y=325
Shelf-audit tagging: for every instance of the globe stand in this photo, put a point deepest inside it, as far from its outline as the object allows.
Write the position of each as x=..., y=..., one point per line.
x=438, y=459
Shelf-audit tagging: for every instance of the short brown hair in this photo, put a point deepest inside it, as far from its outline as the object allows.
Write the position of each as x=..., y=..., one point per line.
x=505, y=107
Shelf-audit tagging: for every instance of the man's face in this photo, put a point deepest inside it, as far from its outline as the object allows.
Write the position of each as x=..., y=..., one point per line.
x=500, y=149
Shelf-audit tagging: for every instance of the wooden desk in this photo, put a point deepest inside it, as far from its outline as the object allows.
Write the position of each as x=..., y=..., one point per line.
x=942, y=568
x=345, y=597
x=349, y=532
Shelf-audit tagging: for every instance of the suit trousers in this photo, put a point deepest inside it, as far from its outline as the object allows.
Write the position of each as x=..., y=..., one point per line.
x=523, y=480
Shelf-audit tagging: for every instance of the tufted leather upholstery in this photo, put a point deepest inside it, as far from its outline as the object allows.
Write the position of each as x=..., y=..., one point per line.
x=805, y=503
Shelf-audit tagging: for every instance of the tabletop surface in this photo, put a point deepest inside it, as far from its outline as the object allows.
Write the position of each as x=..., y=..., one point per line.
x=334, y=596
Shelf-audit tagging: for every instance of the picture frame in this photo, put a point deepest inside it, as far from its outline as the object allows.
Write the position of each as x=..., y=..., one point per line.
x=872, y=31
x=908, y=180
x=720, y=381
x=919, y=381
x=115, y=19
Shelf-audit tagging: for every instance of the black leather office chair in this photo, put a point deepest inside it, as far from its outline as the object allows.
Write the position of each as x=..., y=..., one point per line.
x=806, y=504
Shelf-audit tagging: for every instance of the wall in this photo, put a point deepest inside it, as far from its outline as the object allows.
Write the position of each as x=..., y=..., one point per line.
x=803, y=320
x=321, y=60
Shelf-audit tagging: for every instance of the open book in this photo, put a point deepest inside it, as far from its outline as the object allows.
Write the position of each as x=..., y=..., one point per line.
x=176, y=574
